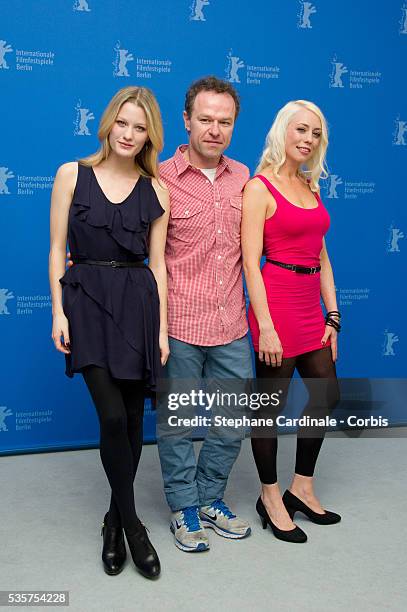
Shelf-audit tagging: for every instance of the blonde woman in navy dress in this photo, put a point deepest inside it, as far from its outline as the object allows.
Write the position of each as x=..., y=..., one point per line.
x=110, y=320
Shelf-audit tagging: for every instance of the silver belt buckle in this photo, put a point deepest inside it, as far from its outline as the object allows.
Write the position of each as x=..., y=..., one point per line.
x=113, y=264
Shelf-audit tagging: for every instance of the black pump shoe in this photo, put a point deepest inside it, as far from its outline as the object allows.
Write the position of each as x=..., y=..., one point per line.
x=143, y=553
x=296, y=535
x=114, y=549
x=294, y=504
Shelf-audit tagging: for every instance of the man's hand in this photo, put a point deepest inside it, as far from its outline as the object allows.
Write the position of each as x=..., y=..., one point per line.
x=69, y=262
x=164, y=347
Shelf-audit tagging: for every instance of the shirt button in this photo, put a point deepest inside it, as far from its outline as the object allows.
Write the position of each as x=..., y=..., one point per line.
x=186, y=212
x=217, y=204
x=219, y=231
x=219, y=256
x=220, y=282
x=221, y=308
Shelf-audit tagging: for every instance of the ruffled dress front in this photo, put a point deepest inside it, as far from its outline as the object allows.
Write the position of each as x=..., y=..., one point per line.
x=113, y=313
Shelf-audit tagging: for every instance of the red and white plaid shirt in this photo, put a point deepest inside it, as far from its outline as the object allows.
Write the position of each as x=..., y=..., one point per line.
x=206, y=304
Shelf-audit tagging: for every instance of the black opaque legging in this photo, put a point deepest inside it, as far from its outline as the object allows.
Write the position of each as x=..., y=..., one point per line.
x=120, y=407
x=322, y=399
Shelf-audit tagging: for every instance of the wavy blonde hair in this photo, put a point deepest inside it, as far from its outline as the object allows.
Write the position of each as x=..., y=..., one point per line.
x=146, y=161
x=274, y=154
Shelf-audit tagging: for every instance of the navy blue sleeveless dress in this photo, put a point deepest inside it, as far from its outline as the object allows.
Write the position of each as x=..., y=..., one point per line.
x=113, y=313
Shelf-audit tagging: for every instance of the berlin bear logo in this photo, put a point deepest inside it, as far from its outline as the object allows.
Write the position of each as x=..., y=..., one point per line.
x=307, y=9
x=81, y=5
x=4, y=412
x=393, y=243
x=233, y=66
x=403, y=20
x=5, y=174
x=338, y=70
x=5, y=296
x=4, y=48
x=389, y=340
x=197, y=10
x=83, y=115
x=334, y=181
x=401, y=129
x=120, y=63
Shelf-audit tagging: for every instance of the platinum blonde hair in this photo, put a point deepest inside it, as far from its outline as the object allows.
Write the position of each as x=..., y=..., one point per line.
x=146, y=161
x=274, y=153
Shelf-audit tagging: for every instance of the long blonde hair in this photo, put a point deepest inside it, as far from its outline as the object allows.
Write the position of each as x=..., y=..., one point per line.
x=146, y=161
x=274, y=154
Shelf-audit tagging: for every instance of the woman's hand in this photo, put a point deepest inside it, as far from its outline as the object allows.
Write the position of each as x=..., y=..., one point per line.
x=164, y=347
x=270, y=349
x=332, y=334
x=60, y=329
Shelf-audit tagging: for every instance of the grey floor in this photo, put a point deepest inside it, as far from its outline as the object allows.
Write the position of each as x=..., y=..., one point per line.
x=52, y=505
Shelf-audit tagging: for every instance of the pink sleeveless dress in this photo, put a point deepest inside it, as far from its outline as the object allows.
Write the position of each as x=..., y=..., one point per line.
x=293, y=235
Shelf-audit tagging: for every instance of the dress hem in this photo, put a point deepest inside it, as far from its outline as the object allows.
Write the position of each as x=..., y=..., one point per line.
x=78, y=370
x=295, y=354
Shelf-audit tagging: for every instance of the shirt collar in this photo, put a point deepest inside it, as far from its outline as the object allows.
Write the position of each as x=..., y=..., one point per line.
x=182, y=164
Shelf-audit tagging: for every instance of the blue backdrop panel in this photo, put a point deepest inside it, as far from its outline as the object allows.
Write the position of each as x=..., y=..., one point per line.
x=60, y=63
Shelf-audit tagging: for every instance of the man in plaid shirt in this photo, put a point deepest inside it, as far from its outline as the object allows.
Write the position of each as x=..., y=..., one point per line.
x=207, y=324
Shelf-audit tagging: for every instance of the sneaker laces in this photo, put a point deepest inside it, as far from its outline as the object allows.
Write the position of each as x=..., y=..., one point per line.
x=191, y=518
x=220, y=505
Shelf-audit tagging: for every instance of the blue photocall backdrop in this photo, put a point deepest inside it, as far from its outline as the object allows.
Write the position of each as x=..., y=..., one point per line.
x=60, y=63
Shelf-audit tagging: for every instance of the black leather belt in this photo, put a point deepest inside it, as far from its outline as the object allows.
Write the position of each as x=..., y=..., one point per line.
x=112, y=264
x=295, y=268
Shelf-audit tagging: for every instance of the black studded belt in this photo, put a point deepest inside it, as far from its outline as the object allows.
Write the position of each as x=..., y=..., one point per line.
x=295, y=268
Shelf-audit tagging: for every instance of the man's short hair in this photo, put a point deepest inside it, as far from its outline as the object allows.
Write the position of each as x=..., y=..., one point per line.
x=210, y=83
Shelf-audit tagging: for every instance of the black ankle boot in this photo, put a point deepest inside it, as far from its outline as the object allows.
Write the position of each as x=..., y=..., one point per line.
x=142, y=551
x=114, y=548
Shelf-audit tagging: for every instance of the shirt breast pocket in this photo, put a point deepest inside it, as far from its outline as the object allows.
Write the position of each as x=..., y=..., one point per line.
x=188, y=221
x=235, y=214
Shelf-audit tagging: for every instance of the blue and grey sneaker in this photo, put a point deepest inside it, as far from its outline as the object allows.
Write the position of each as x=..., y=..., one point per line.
x=219, y=517
x=188, y=531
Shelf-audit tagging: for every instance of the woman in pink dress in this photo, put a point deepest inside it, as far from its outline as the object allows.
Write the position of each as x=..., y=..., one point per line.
x=285, y=220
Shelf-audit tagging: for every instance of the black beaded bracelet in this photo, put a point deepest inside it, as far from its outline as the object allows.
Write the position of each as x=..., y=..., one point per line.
x=333, y=323
x=335, y=313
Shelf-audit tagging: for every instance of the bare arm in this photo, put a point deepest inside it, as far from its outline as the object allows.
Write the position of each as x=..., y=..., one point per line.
x=256, y=203
x=328, y=295
x=61, y=199
x=328, y=292
x=158, y=236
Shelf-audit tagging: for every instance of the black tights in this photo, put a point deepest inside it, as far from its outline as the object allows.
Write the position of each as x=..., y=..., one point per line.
x=120, y=407
x=313, y=365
